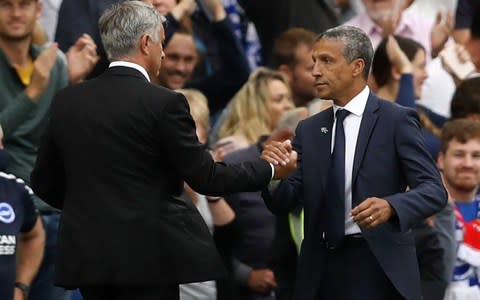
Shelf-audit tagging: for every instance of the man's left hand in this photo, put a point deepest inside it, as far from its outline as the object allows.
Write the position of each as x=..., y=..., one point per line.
x=372, y=212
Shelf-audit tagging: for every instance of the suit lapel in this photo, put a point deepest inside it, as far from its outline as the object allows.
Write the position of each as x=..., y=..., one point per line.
x=322, y=143
x=366, y=128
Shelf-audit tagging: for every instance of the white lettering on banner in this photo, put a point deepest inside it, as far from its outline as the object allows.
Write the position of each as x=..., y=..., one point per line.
x=8, y=240
x=7, y=250
x=7, y=244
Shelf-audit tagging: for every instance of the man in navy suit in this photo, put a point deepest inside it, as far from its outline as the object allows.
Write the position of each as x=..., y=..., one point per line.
x=363, y=182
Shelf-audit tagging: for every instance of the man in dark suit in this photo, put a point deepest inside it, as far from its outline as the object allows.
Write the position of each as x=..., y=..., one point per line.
x=114, y=157
x=373, y=161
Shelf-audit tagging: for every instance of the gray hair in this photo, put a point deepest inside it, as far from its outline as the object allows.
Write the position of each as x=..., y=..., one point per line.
x=356, y=44
x=122, y=25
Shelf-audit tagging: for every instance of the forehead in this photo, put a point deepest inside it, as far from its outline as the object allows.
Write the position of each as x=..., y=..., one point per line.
x=419, y=56
x=277, y=86
x=471, y=145
x=181, y=43
x=328, y=46
x=303, y=52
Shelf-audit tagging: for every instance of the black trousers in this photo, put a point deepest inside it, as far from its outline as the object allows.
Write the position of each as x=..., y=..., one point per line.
x=353, y=273
x=170, y=292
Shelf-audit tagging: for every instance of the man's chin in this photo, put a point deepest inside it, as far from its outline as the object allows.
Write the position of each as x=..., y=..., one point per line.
x=15, y=37
x=176, y=85
x=466, y=187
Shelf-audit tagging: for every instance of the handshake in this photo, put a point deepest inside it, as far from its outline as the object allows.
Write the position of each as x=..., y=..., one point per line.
x=282, y=156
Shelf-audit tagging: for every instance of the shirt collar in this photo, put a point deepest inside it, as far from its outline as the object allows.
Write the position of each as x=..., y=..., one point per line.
x=121, y=63
x=357, y=105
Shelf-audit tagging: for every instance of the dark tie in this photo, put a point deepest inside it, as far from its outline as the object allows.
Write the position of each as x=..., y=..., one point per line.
x=334, y=208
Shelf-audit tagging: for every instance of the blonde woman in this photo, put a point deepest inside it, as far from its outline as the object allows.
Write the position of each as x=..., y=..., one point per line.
x=255, y=110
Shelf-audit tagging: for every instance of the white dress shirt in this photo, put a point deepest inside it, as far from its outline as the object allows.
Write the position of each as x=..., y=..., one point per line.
x=351, y=125
x=121, y=63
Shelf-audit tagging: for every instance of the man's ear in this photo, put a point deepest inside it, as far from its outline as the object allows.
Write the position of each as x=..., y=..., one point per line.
x=144, y=42
x=441, y=161
x=358, y=67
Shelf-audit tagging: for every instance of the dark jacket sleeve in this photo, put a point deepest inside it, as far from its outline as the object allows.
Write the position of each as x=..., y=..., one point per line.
x=194, y=164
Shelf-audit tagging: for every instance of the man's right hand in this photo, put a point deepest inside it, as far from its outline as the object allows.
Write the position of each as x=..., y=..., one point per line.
x=41, y=72
x=261, y=281
x=281, y=156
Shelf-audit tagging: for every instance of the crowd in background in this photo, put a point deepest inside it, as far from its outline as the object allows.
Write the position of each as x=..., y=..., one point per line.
x=245, y=68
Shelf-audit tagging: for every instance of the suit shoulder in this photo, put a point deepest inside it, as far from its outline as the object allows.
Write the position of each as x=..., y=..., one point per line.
x=393, y=107
x=320, y=117
x=163, y=91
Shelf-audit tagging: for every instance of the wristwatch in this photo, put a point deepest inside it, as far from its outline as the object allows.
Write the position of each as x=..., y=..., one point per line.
x=24, y=288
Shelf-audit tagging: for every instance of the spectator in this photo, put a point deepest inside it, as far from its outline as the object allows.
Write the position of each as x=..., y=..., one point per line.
x=182, y=56
x=440, y=86
x=460, y=166
x=272, y=17
x=22, y=238
x=292, y=55
x=383, y=18
x=31, y=75
x=255, y=110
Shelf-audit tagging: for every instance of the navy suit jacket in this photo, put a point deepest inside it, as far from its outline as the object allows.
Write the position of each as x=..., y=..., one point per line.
x=389, y=157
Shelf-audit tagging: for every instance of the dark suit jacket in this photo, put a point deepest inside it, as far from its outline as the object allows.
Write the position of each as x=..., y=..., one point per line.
x=390, y=155
x=115, y=154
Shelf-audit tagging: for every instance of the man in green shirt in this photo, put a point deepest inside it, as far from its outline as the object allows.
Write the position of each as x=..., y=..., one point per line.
x=30, y=75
